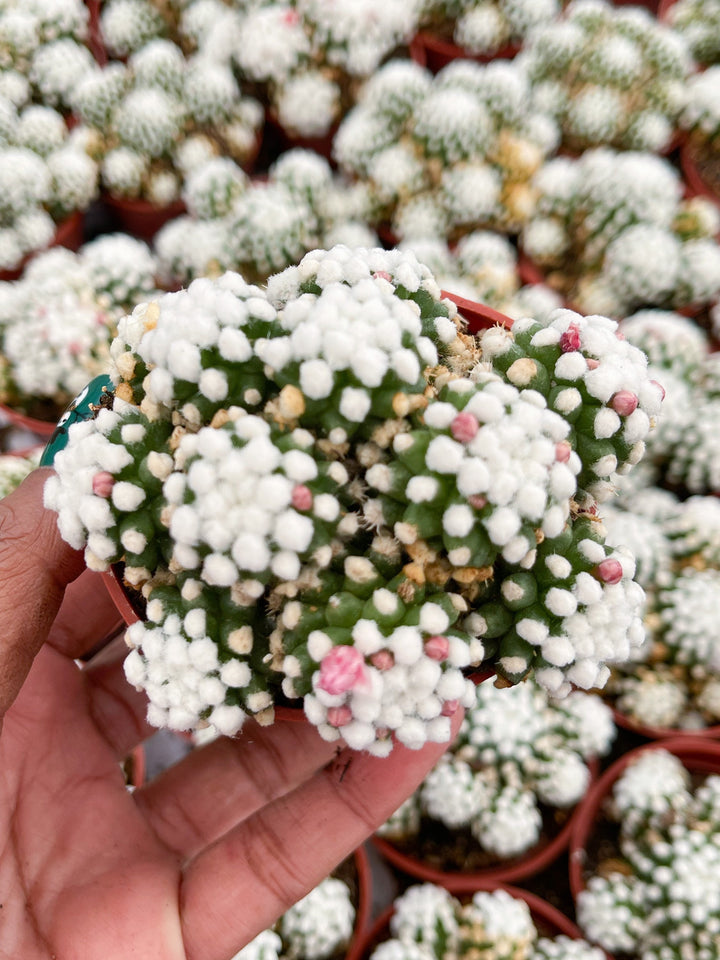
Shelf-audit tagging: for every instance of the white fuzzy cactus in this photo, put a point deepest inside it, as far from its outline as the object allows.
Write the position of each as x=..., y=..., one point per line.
x=317, y=927
x=610, y=76
x=614, y=234
x=518, y=753
x=427, y=922
x=321, y=493
x=462, y=144
x=698, y=22
x=665, y=901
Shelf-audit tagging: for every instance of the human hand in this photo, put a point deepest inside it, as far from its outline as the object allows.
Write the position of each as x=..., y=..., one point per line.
x=192, y=865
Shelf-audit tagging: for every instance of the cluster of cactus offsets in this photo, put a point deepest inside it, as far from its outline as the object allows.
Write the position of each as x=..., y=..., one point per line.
x=661, y=899
x=259, y=228
x=609, y=76
x=45, y=175
x=673, y=680
x=143, y=114
x=698, y=22
x=317, y=927
x=517, y=751
x=322, y=492
x=42, y=50
x=449, y=154
x=614, y=235
x=428, y=923
x=57, y=321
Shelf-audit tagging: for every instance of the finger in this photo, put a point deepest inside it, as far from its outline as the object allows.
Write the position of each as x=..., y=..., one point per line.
x=88, y=618
x=198, y=800
x=117, y=708
x=35, y=567
x=245, y=881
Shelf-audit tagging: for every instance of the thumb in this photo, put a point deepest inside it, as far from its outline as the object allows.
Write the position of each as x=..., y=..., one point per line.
x=35, y=567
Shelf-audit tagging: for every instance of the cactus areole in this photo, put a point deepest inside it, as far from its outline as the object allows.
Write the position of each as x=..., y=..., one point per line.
x=328, y=492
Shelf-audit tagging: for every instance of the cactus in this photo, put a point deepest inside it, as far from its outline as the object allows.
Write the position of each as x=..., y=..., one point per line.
x=485, y=28
x=661, y=901
x=518, y=752
x=698, y=22
x=320, y=493
x=610, y=76
x=446, y=155
x=427, y=922
x=614, y=235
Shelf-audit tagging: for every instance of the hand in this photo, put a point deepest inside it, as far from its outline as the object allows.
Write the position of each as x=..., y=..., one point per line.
x=196, y=863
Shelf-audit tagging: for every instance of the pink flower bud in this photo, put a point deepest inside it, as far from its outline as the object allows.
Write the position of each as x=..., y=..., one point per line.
x=437, y=647
x=449, y=708
x=339, y=716
x=609, y=571
x=660, y=387
x=563, y=451
x=382, y=660
x=619, y=335
x=74, y=348
x=302, y=498
x=464, y=427
x=477, y=501
x=103, y=483
x=570, y=340
x=592, y=363
x=341, y=669
x=291, y=17
x=382, y=275
x=624, y=402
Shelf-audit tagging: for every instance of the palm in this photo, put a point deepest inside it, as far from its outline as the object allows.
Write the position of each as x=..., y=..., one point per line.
x=82, y=865
x=192, y=865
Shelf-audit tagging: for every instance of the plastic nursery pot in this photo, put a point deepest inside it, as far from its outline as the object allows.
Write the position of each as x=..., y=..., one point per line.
x=517, y=868
x=700, y=756
x=94, y=41
x=140, y=218
x=478, y=316
x=549, y=921
x=663, y=7
x=664, y=733
x=69, y=233
x=696, y=185
x=435, y=52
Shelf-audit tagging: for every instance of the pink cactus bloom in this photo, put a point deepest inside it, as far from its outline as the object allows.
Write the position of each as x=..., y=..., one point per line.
x=102, y=484
x=382, y=275
x=592, y=363
x=477, y=501
x=570, y=340
x=449, y=708
x=464, y=427
x=624, y=402
x=562, y=451
x=609, y=571
x=437, y=647
x=339, y=716
x=342, y=669
x=302, y=498
x=382, y=660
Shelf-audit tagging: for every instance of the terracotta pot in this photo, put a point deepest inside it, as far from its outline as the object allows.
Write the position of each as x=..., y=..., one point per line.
x=434, y=52
x=698, y=755
x=94, y=41
x=42, y=428
x=696, y=186
x=549, y=921
x=140, y=218
x=664, y=733
x=663, y=8
x=517, y=868
x=478, y=316
x=69, y=233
